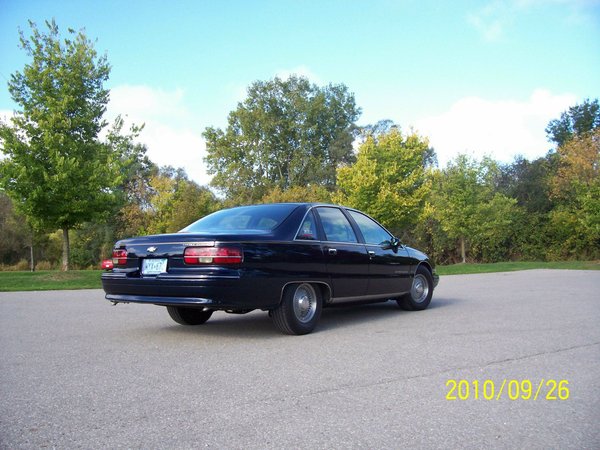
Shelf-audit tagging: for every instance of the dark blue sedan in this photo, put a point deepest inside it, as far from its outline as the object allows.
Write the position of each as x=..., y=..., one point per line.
x=290, y=259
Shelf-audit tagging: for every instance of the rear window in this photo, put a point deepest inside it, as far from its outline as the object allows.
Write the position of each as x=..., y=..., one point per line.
x=244, y=218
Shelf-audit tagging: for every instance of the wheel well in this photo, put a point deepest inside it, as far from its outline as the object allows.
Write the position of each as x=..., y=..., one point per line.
x=325, y=291
x=426, y=265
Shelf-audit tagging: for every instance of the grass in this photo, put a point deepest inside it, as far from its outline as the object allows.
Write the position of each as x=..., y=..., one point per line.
x=456, y=269
x=45, y=280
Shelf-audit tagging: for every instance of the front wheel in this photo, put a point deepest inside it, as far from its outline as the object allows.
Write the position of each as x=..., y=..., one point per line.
x=420, y=293
x=299, y=310
x=189, y=316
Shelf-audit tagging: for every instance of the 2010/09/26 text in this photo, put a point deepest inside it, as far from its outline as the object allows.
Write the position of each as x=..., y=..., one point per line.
x=544, y=389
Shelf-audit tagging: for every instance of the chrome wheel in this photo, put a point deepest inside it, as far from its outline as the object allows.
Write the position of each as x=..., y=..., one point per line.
x=299, y=310
x=420, y=288
x=304, y=303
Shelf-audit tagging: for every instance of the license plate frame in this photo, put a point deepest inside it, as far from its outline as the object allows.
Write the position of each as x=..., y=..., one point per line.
x=154, y=266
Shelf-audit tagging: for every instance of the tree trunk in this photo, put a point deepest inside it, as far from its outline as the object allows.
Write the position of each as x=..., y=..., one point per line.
x=462, y=249
x=66, y=250
x=31, y=261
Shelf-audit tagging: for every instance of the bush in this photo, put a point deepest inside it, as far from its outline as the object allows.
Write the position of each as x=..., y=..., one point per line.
x=44, y=265
x=23, y=264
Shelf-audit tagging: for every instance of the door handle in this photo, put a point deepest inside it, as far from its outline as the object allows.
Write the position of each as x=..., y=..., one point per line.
x=371, y=253
x=333, y=251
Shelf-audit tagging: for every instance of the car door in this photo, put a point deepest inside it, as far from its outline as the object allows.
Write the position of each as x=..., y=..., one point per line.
x=389, y=265
x=347, y=259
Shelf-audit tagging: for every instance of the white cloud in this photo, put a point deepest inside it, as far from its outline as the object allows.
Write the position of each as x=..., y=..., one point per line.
x=171, y=133
x=490, y=21
x=5, y=115
x=494, y=18
x=500, y=129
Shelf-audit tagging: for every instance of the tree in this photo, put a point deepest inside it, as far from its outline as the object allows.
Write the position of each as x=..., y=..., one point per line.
x=312, y=193
x=456, y=191
x=528, y=182
x=384, y=127
x=56, y=170
x=578, y=165
x=579, y=119
x=285, y=133
x=389, y=179
x=469, y=209
x=175, y=201
x=576, y=188
x=190, y=203
x=14, y=237
x=134, y=191
x=493, y=228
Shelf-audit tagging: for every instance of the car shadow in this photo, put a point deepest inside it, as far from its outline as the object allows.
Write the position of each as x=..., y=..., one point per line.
x=346, y=316
x=258, y=324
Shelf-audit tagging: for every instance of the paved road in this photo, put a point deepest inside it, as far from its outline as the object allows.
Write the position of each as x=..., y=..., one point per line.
x=76, y=372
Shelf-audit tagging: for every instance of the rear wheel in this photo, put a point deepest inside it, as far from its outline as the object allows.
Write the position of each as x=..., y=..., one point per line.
x=420, y=293
x=299, y=310
x=189, y=316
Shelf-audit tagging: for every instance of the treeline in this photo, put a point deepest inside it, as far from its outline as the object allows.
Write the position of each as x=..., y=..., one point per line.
x=66, y=194
x=150, y=200
x=470, y=210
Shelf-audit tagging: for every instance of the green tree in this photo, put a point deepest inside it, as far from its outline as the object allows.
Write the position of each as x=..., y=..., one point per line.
x=56, y=170
x=389, y=179
x=529, y=182
x=285, y=133
x=493, y=231
x=469, y=209
x=577, y=120
x=14, y=237
x=190, y=203
x=134, y=192
x=576, y=189
x=312, y=193
x=456, y=194
x=175, y=201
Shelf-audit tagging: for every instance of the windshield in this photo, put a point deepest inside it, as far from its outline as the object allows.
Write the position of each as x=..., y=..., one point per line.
x=244, y=218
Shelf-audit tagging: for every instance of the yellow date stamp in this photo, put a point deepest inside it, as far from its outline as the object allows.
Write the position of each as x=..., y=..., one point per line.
x=542, y=389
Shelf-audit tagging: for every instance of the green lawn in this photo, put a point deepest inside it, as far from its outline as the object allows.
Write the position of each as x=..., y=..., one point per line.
x=44, y=280
x=456, y=269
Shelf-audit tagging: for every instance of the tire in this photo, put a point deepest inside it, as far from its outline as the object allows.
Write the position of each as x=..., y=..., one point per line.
x=189, y=316
x=299, y=310
x=420, y=293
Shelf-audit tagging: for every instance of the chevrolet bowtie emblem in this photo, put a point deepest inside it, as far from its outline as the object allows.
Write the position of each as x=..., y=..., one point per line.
x=151, y=249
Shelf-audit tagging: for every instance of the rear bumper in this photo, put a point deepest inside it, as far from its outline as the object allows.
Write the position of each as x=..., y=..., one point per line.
x=169, y=301
x=214, y=293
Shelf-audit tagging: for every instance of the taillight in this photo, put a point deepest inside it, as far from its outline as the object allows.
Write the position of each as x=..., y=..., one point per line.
x=119, y=257
x=107, y=264
x=212, y=255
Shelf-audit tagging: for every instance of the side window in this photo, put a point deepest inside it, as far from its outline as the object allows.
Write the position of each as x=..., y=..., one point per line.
x=372, y=232
x=336, y=226
x=308, y=229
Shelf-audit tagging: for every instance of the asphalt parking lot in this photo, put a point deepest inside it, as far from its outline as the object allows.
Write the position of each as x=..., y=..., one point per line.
x=76, y=372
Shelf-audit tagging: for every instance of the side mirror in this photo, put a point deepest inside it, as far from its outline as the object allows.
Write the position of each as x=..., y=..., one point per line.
x=392, y=244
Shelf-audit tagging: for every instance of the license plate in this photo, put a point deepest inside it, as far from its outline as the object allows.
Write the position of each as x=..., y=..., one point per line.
x=154, y=266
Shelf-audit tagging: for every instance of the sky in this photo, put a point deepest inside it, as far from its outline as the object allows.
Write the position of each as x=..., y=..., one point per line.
x=475, y=77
